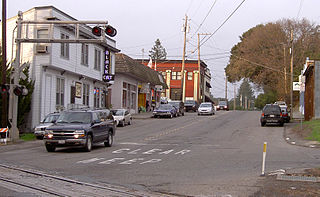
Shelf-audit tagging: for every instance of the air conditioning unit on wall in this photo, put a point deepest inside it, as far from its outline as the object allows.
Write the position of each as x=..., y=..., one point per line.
x=40, y=48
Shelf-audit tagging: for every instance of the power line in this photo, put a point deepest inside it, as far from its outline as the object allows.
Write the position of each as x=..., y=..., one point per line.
x=223, y=22
x=300, y=7
x=214, y=3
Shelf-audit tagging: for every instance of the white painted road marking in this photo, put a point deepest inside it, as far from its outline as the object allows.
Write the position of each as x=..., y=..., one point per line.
x=90, y=160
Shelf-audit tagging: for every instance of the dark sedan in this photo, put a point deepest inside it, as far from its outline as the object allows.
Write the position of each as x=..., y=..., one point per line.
x=165, y=110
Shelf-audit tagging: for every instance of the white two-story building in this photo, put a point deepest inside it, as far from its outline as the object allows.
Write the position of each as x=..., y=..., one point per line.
x=64, y=74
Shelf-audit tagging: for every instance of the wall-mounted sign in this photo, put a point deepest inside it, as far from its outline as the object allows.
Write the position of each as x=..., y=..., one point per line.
x=296, y=86
x=106, y=77
x=78, y=89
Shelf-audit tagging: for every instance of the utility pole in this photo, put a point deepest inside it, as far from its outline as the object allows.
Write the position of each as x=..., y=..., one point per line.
x=291, y=65
x=4, y=114
x=226, y=92
x=142, y=50
x=183, y=59
x=234, y=96
x=285, y=69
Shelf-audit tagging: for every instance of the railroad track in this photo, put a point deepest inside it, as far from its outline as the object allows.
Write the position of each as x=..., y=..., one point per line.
x=50, y=185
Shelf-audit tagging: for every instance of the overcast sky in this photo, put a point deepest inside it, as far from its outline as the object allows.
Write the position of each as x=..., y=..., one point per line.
x=141, y=22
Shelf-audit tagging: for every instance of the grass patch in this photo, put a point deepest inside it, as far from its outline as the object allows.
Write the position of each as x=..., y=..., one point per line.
x=27, y=137
x=314, y=125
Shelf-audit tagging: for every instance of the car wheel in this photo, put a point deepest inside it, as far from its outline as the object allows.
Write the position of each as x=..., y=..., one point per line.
x=182, y=113
x=50, y=148
x=281, y=124
x=263, y=124
x=171, y=116
x=122, y=123
x=130, y=121
x=109, y=141
x=88, y=145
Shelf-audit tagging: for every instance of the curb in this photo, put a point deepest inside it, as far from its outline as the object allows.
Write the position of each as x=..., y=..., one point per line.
x=299, y=142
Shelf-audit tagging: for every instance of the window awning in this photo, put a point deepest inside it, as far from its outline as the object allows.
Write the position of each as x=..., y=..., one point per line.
x=208, y=85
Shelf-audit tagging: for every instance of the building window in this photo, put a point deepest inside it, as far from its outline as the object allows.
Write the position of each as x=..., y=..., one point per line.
x=64, y=47
x=85, y=54
x=97, y=59
x=174, y=75
x=124, y=98
x=178, y=75
x=60, y=92
x=189, y=75
x=43, y=33
x=96, y=97
x=86, y=92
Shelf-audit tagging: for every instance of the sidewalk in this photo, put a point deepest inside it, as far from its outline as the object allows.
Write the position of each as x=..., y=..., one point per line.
x=296, y=136
x=142, y=115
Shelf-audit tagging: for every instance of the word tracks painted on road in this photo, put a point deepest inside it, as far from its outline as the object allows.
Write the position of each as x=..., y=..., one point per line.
x=139, y=160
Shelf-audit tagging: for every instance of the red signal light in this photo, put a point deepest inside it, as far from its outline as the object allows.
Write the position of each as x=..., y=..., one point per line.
x=96, y=31
x=110, y=31
x=4, y=88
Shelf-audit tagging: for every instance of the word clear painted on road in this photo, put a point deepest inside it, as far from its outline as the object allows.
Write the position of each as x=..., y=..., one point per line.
x=138, y=160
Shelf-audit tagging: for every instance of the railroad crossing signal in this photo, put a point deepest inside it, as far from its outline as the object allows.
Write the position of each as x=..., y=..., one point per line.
x=109, y=30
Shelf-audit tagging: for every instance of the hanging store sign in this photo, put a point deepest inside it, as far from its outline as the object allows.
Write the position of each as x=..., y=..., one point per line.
x=106, y=77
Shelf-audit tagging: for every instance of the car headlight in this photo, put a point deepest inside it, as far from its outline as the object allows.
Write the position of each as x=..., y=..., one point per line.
x=49, y=133
x=37, y=129
x=79, y=133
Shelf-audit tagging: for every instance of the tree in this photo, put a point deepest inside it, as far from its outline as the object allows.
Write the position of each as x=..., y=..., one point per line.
x=24, y=102
x=245, y=94
x=263, y=99
x=158, y=52
x=259, y=56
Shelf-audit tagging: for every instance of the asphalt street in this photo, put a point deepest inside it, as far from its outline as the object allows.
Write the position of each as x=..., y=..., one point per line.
x=189, y=155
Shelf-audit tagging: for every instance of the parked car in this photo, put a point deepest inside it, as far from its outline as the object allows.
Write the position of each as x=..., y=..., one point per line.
x=39, y=130
x=281, y=103
x=191, y=105
x=179, y=105
x=223, y=105
x=206, y=108
x=122, y=117
x=271, y=113
x=285, y=114
x=165, y=110
x=81, y=128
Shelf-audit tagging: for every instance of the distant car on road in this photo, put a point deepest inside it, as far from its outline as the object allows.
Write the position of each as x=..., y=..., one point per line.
x=223, y=105
x=206, y=108
x=78, y=128
x=285, y=114
x=179, y=105
x=191, y=105
x=271, y=113
x=165, y=110
x=122, y=117
x=39, y=130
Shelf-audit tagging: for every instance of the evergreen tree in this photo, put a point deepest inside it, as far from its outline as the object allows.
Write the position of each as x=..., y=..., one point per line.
x=158, y=52
x=245, y=94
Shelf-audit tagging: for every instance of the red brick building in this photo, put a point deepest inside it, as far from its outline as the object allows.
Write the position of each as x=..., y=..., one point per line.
x=197, y=87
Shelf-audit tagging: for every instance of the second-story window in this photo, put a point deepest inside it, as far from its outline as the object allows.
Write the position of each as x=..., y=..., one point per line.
x=64, y=46
x=174, y=75
x=189, y=75
x=179, y=75
x=97, y=59
x=85, y=54
x=43, y=33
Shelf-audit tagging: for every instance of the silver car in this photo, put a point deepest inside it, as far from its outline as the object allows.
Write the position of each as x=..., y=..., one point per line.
x=122, y=117
x=206, y=109
x=47, y=121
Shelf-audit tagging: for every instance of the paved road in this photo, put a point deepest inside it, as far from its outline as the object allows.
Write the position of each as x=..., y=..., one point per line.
x=190, y=155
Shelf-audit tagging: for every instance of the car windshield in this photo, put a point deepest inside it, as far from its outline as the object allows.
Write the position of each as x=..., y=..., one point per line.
x=51, y=118
x=117, y=112
x=190, y=102
x=271, y=109
x=205, y=105
x=222, y=102
x=165, y=107
x=75, y=117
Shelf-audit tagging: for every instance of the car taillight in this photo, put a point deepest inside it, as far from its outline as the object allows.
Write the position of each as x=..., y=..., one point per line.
x=280, y=114
x=262, y=114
